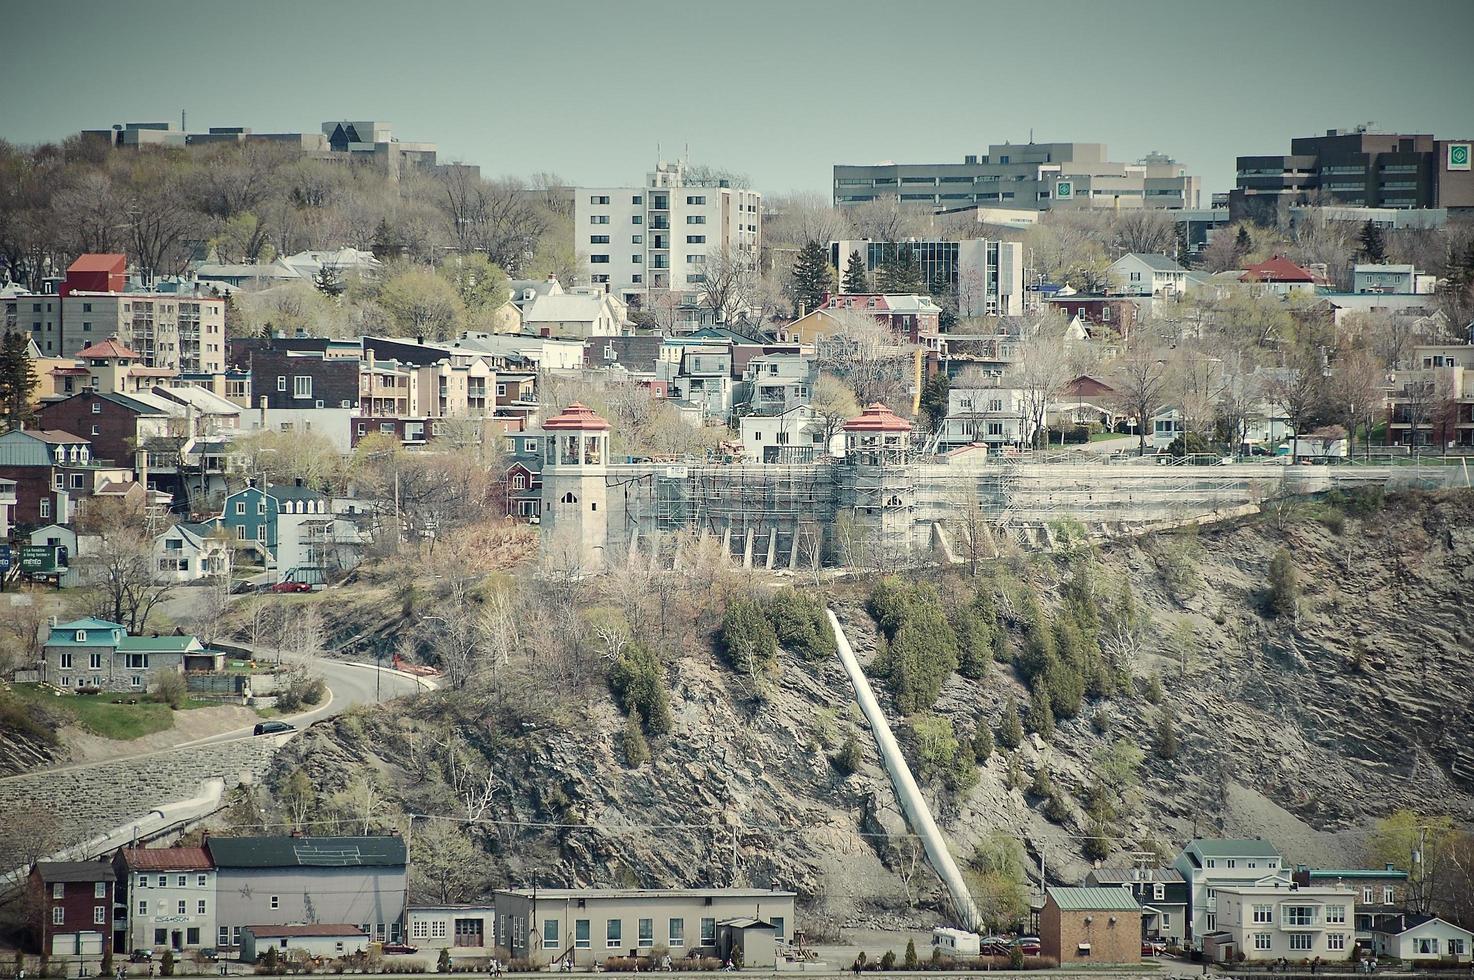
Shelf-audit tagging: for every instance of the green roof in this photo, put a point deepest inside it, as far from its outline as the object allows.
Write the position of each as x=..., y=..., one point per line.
x=1094, y=899
x=1356, y=873
x=157, y=644
x=1228, y=847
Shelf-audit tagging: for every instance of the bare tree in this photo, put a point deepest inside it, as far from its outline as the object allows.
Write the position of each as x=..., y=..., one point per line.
x=795, y=219
x=1298, y=391
x=1356, y=393
x=867, y=356
x=123, y=563
x=497, y=218
x=729, y=283
x=1146, y=230
x=1140, y=379
x=1040, y=371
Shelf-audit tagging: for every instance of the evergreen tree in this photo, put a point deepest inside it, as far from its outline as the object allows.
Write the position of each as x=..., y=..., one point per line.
x=847, y=760
x=747, y=637
x=17, y=380
x=636, y=749
x=934, y=398
x=1041, y=713
x=329, y=281
x=1010, y=729
x=1166, y=740
x=982, y=743
x=1243, y=242
x=855, y=279
x=911, y=962
x=1373, y=243
x=813, y=277
x=1038, y=645
x=902, y=274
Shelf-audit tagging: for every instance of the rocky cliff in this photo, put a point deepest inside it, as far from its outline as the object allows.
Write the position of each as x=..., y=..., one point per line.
x=1303, y=728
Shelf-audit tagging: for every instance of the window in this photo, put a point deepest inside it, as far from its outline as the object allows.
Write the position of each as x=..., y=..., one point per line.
x=1426, y=946
x=778, y=927
x=301, y=386
x=260, y=507
x=1212, y=863
x=1335, y=915
x=161, y=936
x=200, y=880
x=58, y=915
x=1263, y=913
x=1389, y=895
x=222, y=936
x=275, y=902
x=637, y=239
x=581, y=934
x=613, y=933
x=240, y=532
x=601, y=259
x=261, y=532
x=1456, y=946
x=695, y=239
x=45, y=507
x=696, y=199
x=199, y=907
x=598, y=219
x=708, y=932
x=1159, y=892
x=550, y=934
x=1299, y=915
x=181, y=881
x=519, y=481
x=99, y=888
x=638, y=199
x=647, y=933
x=281, y=382
x=598, y=239
x=437, y=929
x=240, y=507
x=235, y=935
x=419, y=929
x=1263, y=940
x=1336, y=941
x=1302, y=941
x=599, y=199
x=695, y=219
x=66, y=664
x=1231, y=862
x=1366, y=895
x=97, y=408
x=183, y=907
x=143, y=906
x=677, y=933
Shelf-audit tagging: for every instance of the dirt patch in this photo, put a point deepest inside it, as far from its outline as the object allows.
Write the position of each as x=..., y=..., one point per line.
x=188, y=726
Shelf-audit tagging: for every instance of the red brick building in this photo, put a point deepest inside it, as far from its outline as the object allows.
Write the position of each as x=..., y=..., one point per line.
x=73, y=903
x=1114, y=313
x=116, y=425
x=1082, y=926
x=52, y=470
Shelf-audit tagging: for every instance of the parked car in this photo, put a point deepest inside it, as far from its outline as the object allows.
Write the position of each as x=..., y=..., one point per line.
x=994, y=946
x=210, y=955
x=1029, y=945
x=272, y=728
x=395, y=949
x=141, y=956
x=1153, y=947
x=291, y=587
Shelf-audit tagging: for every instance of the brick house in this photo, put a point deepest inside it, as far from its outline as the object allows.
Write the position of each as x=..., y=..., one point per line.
x=1090, y=925
x=73, y=907
x=1101, y=312
x=53, y=472
x=116, y=425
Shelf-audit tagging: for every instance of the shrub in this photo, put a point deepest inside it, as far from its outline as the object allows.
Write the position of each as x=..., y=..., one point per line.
x=888, y=961
x=442, y=964
x=169, y=687
x=632, y=741
x=1011, y=730
x=1284, y=585
x=847, y=759
x=1041, y=714
x=1154, y=688
x=939, y=754
x=889, y=602
x=976, y=626
x=1056, y=810
x=982, y=743
x=920, y=658
x=800, y=624
x=1015, y=958
x=1166, y=740
x=637, y=679
x=166, y=965
x=1038, y=641
x=1097, y=847
x=747, y=638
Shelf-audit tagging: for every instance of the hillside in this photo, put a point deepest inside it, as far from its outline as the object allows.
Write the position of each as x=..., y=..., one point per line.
x=1302, y=728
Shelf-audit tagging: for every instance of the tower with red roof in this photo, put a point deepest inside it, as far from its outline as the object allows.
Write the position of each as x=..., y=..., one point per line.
x=877, y=487
x=575, y=523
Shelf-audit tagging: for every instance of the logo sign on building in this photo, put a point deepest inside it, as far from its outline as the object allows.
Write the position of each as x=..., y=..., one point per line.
x=6, y=558
x=1064, y=190
x=1458, y=156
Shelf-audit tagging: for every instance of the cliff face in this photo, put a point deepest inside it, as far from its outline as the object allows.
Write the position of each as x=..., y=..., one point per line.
x=1304, y=729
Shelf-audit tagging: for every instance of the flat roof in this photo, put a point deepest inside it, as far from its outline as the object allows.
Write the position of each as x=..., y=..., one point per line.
x=645, y=892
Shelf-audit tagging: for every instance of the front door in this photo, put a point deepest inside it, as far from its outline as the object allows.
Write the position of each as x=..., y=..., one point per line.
x=468, y=932
x=176, y=939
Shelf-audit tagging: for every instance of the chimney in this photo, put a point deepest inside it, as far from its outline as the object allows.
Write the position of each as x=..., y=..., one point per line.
x=140, y=466
x=263, y=413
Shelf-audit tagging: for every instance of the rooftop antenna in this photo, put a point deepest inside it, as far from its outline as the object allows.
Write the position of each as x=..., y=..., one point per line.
x=1031, y=135
x=182, y=126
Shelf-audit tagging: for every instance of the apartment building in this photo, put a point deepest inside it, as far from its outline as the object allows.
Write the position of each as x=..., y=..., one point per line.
x=1214, y=863
x=1025, y=176
x=170, y=896
x=181, y=333
x=987, y=277
x=1358, y=168
x=657, y=239
x=584, y=926
x=1266, y=922
x=1432, y=397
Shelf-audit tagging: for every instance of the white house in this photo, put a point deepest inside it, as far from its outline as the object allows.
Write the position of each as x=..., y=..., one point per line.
x=794, y=436
x=1408, y=936
x=1143, y=274
x=190, y=552
x=1397, y=279
x=170, y=897
x=1213, y=863
x=1281, y=919
x=466, y=927
x=779, y=381
x=994, y=416
x=325, y=940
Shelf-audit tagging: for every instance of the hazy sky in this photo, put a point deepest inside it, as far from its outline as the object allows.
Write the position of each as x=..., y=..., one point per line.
x=779, y=89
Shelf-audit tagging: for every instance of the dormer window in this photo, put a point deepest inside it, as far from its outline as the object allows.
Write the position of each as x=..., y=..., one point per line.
x=81, y=636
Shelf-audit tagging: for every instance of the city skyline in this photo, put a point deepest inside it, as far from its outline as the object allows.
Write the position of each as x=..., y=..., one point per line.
x=762, y=89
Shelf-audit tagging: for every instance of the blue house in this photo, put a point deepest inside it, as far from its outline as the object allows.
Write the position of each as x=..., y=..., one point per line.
x=250, y=515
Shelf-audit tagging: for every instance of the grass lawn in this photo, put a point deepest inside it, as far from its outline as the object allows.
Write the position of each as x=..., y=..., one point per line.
x=105, y=714
x=1103, y=436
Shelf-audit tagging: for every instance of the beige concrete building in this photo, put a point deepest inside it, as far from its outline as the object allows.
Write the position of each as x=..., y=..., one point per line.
x=590, y=925
x=182, y=333
x=1266, y=922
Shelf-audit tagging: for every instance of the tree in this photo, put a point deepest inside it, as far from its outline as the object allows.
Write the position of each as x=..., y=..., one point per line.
x=1165, y=743
x=1011, y=730
x=747, y=637
x=1356, y=391
x=421, y=304
x=729, y=283
x=855, y=278
x=1298, y=391
x=847, y=760
x=899, y=271
x=1041, y=713
x=1423, y=843
x=1284, y=585
x=166, y=965
x=481, y=285
x=18, y=380
x=934, y=398
x=1146, y=231
x=911, y=961
x=1040, y=371
x=445, y=865
x=168, y=687
x=1140, y=379
x=1373, y=243
x=813, y=278
x=632, y=740
x=123, y=563
x=298, y=796
x=835, y=404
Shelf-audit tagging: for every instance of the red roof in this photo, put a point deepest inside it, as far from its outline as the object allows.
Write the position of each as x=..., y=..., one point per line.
x=1088, y=387
x=577, y=417
x=167, y=858
x=1277, y=269
x=99, y=262
x=106, y=348
x=877, y=418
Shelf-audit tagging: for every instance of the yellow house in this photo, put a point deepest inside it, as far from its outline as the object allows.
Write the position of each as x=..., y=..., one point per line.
x=57, y=377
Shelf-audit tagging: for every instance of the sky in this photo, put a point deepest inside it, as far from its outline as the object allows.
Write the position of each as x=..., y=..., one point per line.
x=597, y=91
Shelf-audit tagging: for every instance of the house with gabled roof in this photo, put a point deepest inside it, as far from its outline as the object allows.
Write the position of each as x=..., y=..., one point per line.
x=1413, y=936
x=1161, y=893
x=1211, y=863
x=97, y=654
x=188, y=552
x=1146, y=274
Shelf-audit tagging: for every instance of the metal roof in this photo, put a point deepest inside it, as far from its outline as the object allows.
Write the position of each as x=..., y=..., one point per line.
x=1226, y=847
x=1094, y=899
x=306, y=852
x=166, y=858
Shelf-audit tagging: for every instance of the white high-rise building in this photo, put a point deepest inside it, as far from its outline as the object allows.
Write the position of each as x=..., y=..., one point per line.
x=642, y=241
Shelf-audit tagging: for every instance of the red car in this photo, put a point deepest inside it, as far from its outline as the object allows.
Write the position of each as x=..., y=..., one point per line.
x=1153, y=947
x=1029, y=945
x=291, y=587
x=400, y=949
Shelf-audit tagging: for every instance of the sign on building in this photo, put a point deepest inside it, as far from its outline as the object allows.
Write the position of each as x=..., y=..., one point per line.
x=1458, y=156
x=39, y=558
x=1064, y=190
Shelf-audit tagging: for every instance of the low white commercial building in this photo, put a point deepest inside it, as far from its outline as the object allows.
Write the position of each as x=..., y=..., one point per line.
x=1397, y=279
x=463, y=927
x=291, y=942
x=1266, y=922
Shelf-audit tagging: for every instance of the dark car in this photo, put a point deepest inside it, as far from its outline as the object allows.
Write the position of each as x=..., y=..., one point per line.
x=141, y=956
x=273, y=728
x=1029, y=945
x=395, y=949
x=291, y=587
x=209, y=955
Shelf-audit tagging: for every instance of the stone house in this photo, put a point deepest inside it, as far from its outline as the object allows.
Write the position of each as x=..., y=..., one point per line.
x=1379, y=892
x=96, y=654
x=1084, y=926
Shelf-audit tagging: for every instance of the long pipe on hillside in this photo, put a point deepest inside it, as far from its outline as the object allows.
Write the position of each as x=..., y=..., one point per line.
x=918, y=813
